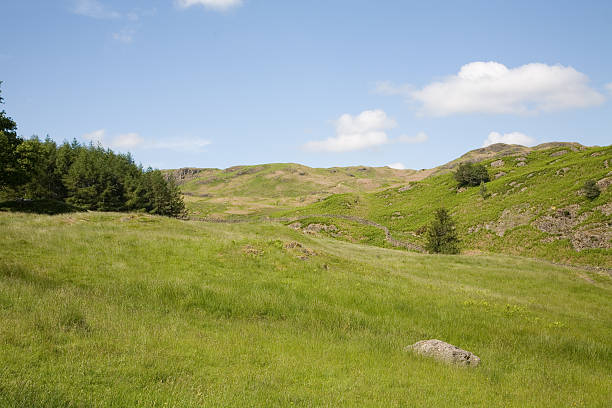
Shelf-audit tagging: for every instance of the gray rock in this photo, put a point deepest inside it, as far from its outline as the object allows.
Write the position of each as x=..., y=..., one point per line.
x=405, y=188
x=558, y=153
x=497, y=163
x=445, y=352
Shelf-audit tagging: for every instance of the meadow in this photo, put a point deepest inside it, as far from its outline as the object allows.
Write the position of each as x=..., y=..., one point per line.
x=115, y=309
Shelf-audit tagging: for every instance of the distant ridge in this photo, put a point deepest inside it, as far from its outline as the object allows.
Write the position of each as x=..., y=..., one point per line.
x=502, y=150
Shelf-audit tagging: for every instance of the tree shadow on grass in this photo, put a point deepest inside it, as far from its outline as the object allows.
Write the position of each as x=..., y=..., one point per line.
x=49, y=207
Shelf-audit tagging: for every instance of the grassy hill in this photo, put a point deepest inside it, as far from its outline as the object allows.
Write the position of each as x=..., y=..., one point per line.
x=262, y=189
x=105, y=309
x=535, y=209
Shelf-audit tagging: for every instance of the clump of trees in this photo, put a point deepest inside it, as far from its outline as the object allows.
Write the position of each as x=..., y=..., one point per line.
x=441, y=234
x=86, y=176
x=470, y=174
x=591, y=189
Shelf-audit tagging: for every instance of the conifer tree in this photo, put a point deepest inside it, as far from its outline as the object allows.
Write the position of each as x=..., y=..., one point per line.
x=441, y=234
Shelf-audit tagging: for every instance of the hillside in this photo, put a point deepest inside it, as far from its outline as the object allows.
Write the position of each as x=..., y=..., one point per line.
x=110, y=309
x=262, y=189
x=535, y=209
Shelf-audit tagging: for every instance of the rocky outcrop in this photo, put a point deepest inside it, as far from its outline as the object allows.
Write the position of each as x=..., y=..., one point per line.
x=446, y=352
x=565, y=223
x=558, y=153
x=497, y=163
x=604, y=183
x=184, y=174
x=509, y=218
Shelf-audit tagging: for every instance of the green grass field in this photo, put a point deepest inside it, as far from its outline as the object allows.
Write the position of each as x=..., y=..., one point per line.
x=101, y=310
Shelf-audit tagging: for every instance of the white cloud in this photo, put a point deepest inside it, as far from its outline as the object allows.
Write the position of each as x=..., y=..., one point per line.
x=131, y=140
x=121, y=141
x=218, y=5
x=356, y=132
x=93, y=9
x=389, y=88
x=125, y=35
x=127, y=140
x=397, y=166
x=509, y=138
x=491, y=87
x=609, y=87
x=420, y=137
x=96, y=137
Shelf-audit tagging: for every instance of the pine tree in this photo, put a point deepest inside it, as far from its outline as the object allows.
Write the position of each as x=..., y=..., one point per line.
x=441, y=234
x=11, y=173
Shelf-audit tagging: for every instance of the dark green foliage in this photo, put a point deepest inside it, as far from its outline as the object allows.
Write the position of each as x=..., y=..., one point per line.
x=441, y=234
x=157, y=195
x=45, y=206
x=591, y=189
x=470, y=174
x=11, y=174
x=37, y=173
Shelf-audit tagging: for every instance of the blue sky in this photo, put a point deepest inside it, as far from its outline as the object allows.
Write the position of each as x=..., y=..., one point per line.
x=216, y=83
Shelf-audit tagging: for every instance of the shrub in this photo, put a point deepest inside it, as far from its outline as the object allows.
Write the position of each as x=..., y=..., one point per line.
x=470, y=174
x=484, y=193
x=591, y=189
x=441, y=234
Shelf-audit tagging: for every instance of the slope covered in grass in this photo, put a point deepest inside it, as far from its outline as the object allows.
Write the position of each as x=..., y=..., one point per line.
x=134, y=310
x=261, y=189
x=536, y=207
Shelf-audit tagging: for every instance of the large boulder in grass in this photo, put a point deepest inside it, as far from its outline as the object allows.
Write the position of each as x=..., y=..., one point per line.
x=445, y=352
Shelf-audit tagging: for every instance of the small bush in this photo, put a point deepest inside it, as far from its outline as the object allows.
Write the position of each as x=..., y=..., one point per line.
x=484, y=193
x=441, y=234
x=591, y=189
x=470, y=174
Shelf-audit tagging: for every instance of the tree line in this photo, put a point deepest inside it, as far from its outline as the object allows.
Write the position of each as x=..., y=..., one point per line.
x=86, y=176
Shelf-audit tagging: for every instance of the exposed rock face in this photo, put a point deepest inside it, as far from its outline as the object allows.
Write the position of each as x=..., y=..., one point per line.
x=497, y=163
x=564, y=223
x=592, y=236
x=606, y=209
x=510, y=218
x=521, y=164
x=443, y=351
x=558, y=153
x=604, y=183
x=500, y=174
x=561, y=172
x=184, y=174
